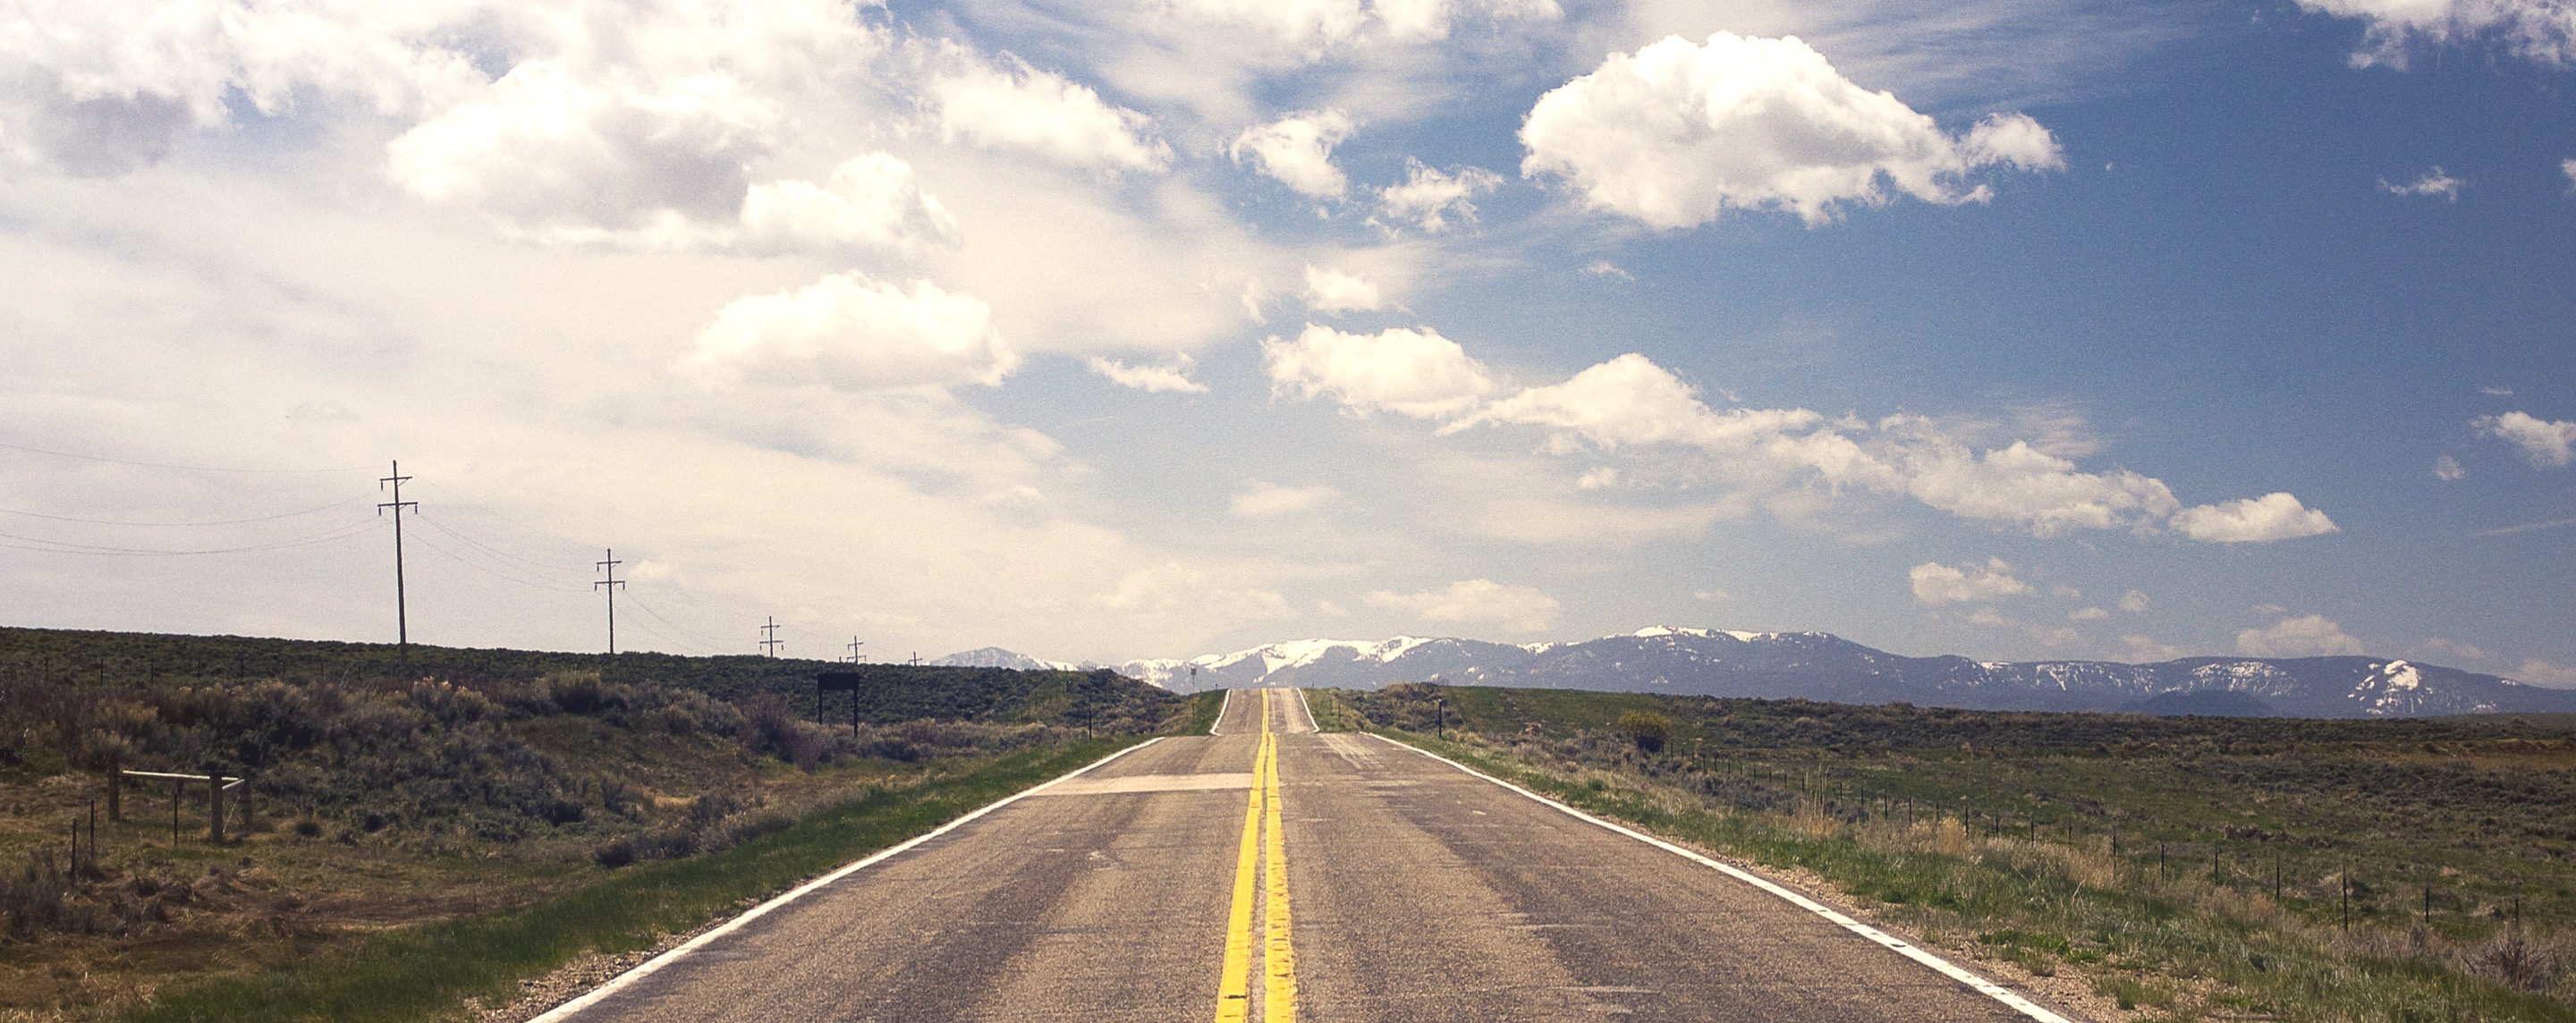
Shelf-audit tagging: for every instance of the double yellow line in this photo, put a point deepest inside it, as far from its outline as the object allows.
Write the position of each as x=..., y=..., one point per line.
x=1264, y=866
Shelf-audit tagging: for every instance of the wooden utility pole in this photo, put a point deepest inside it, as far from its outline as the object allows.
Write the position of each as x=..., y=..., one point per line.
x=610, y=584
x=402, y=615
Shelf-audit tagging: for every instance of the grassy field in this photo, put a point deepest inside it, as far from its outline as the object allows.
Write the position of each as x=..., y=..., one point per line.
x=2191, y=867
x=393, y=801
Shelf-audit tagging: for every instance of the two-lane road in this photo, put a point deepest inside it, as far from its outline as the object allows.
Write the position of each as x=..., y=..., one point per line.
x=1267, y=873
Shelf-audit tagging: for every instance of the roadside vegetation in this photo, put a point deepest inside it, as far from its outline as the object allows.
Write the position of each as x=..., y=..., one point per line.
x=395, y=806
x=2189, y=868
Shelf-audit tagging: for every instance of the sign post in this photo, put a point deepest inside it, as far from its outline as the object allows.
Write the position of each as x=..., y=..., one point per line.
x=838, y=682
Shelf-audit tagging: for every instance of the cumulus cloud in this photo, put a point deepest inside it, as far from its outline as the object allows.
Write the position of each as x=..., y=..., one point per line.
x=1413, y=372
x=1333, y=291
x=2433, y=182
x=2545, y=442
x=2302, y=636
x=1010, y=104
x=1936, y=584
x=1270, y=500
x=2087, y=614
x=869, y=201
x=2274, y=516
x=2568, y=167
x=1678, y=132
x=1476, y=602
x=851, y=332
x=2135, y=602
x=1172, y=376
x=2542, y=30
x=1630, y=401
x=1428, y=198
x=1298, y=151
x=2448, y=470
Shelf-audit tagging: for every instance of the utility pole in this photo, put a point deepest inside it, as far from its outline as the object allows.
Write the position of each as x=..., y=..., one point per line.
x=610, y=584
x=855, y=644
x=769, y=641
x=402, y=615
x=916, y=658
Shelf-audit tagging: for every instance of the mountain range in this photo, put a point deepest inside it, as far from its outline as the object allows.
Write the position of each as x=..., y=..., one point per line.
x=1821, y=666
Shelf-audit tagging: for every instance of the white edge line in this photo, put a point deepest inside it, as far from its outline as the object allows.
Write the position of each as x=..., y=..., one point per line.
x=1951, y=970
x=650, y=966
x=1309, y=708
x=1221, y=708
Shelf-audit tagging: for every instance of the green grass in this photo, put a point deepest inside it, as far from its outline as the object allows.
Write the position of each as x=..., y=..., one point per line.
x=2179, y=942
x=427, y=972
x=1204, y=708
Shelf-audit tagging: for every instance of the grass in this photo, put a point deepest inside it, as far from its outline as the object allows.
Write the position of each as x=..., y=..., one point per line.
x=1204, y=708
x=2004, y=848
x=426, y=972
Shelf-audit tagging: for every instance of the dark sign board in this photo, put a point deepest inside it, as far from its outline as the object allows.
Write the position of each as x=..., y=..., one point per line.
x=837, y=682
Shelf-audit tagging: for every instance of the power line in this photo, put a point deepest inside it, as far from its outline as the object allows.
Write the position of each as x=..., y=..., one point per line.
x=545, y=566
x=166, y=465
x=701, y=640
x=534, y=584
x=215, y=522
x=67, y=547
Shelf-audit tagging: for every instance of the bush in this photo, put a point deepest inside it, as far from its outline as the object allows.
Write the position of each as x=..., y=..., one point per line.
x=1646, y=728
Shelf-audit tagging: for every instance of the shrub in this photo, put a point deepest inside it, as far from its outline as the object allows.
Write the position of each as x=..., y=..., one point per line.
x=1646, y=728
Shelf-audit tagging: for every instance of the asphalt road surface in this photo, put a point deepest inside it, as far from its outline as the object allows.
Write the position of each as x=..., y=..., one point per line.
x=1271, y=873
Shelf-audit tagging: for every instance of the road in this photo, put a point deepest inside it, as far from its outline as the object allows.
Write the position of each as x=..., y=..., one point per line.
x=1271, y=873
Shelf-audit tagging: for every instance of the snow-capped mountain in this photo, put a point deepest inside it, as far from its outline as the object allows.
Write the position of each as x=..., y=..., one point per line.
x=996, y=657
x=1819, y=666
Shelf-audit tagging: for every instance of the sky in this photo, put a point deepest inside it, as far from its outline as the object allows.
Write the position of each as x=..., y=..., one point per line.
x=1105, y=329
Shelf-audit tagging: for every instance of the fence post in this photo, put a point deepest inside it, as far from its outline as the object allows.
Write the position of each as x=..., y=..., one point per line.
x=214, y=805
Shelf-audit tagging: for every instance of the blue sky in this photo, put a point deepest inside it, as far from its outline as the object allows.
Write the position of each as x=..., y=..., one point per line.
x=1119, y=328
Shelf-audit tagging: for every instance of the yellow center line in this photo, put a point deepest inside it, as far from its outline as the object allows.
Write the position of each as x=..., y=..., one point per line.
x=1234, y=986
x=1279, y=961
x=1279, y=997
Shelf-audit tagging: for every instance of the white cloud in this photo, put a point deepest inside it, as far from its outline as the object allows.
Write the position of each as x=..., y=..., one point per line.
x=1270, y=500
x=1174, y=376
x=1606, y=268
x=2274, y=516
x=2135, y=602
x=2302, y=636
x=1476, y=602
x=2145, y=649
x=2433, y=182
x=1175, y=590
x=1429, y=197
x=2545, y=442
x=2542, y=673
x=2087, y=614
x=1677, y=133
x=1936, y=584
x=2542, y=30
x=2568, y=167
x=2448, y=470
x=1298, y=151
x=1333, y=291
x=1012, y=104
x=1414, y=372
x=2455, y=649
x=869, y=201
x=1309, y=27
x=850, y=332
x=566, y=156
